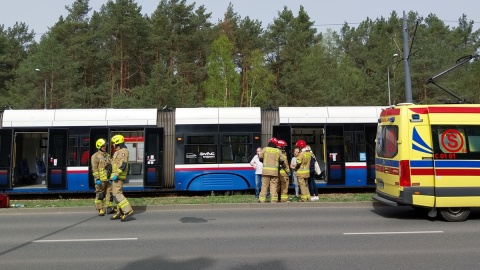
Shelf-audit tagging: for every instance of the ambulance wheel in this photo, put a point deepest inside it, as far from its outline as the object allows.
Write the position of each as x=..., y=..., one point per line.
x=455, y=214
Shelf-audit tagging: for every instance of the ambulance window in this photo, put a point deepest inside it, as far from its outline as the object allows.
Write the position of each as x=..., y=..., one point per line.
x=474, y=143
x=387, y=141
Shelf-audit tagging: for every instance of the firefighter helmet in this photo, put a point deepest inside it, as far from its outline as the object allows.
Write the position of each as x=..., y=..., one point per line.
x=118, y=139
x=282, y=143
x=100, y=142
x=301, y=144
x=274, y=141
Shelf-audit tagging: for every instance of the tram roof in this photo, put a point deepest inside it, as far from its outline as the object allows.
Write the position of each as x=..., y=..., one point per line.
x=79, y=117
x=233, y=115
x=329, y=115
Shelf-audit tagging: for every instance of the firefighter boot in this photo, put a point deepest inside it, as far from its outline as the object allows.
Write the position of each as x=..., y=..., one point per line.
x=117, y=215
x=127, y=216
x=110, y=210
x=101, y=213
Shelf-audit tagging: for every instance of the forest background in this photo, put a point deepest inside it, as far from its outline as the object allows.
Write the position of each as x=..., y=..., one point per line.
x=175, y=57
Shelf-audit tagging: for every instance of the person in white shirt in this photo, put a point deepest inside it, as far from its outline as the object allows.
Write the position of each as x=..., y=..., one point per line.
x=255, y=162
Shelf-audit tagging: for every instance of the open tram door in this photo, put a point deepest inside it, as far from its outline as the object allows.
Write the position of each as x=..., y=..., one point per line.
x=153, y=161
x=285, y=133
x=57, y=158
x=6, y=136
x=95, y=134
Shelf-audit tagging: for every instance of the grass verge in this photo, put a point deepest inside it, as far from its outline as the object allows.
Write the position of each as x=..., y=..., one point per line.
x=207, y=199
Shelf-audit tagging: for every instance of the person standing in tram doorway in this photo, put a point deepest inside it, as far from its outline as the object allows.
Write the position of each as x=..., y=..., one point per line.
x=258, y=166
x=101, y=166
x=303, y=170
x=284, y=171
x=271, y=157
x=119, y=174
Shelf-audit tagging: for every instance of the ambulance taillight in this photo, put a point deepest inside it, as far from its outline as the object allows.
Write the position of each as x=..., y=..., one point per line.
x=405, y=173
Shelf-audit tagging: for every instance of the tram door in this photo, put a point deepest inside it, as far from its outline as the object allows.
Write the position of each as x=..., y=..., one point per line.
x=57, y=158
x=95, y=134
x=6, y=136
x=153, y=160
x=284, y=133
x=335, y=165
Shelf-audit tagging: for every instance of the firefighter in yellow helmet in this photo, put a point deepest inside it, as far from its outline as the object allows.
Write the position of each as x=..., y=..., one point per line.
x=118, y=176
x=284, y=171
x=100, y=161
x=271, y=157
x=303, y=170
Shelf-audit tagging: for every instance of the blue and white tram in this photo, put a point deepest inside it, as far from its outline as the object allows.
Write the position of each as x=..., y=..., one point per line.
x=188, y=149
x=214, y=147
x=49, y=150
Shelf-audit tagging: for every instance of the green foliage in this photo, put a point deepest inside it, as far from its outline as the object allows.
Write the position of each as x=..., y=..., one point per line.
x=175, y=56
x=221, y=87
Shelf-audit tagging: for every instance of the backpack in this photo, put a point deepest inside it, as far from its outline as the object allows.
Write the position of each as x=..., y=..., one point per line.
x=314, y=167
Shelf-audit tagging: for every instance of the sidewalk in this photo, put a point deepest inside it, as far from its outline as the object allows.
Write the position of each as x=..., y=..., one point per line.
x=176, y=207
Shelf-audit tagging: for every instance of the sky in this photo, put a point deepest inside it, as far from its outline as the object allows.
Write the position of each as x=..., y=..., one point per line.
x=39, y=15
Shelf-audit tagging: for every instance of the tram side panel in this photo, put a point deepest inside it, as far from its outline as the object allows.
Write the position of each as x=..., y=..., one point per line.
x=215, y=157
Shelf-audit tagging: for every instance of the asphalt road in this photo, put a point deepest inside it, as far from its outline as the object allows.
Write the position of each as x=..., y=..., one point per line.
x=318, y=236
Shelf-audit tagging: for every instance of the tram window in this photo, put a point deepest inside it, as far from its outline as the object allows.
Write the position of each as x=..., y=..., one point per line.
x=200, y=140
x=200, y=149
x=72, y=151
x=236, y=148
x=85, y=156
x=72, y=156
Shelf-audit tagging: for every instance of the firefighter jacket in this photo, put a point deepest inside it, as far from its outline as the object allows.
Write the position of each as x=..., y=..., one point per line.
x=99, y=162
x=303, y=164
x=272, y=158
x=284, y=169
x=120, y=162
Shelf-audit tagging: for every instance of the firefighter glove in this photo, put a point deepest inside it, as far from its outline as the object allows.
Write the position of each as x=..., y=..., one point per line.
x=98, y=182
x=114, y=177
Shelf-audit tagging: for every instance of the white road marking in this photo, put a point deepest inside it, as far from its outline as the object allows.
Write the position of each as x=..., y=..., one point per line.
x=414, y=232
x=84, y=240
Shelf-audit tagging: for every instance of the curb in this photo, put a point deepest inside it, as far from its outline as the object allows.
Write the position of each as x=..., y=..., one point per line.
x=175, y=207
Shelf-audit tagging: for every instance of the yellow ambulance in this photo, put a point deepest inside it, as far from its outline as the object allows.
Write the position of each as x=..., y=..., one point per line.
x=429, y=156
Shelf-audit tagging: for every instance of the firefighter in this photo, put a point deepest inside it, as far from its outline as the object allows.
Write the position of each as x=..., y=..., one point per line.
x=118, y=176
x=271, y=157
x=284, y=171
x=303, y=170
x=100, y=161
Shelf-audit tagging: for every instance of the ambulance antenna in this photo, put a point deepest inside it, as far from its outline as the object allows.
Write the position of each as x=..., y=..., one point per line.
x=460, y=61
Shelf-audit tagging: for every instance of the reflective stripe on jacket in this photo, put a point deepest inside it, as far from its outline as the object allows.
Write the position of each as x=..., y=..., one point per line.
x=120, y=163
x=284, y=171
x=303, y=159
x=99, y=161
x=271, y=159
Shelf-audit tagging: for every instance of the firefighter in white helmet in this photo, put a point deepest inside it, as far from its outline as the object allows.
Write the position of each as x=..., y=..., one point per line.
x=118, y=176
x=101, y=164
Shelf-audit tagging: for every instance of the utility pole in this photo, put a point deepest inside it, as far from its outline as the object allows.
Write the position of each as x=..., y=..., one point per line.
x=406, y=53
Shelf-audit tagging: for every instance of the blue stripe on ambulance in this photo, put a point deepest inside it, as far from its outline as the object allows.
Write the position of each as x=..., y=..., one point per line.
x=417, y=141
